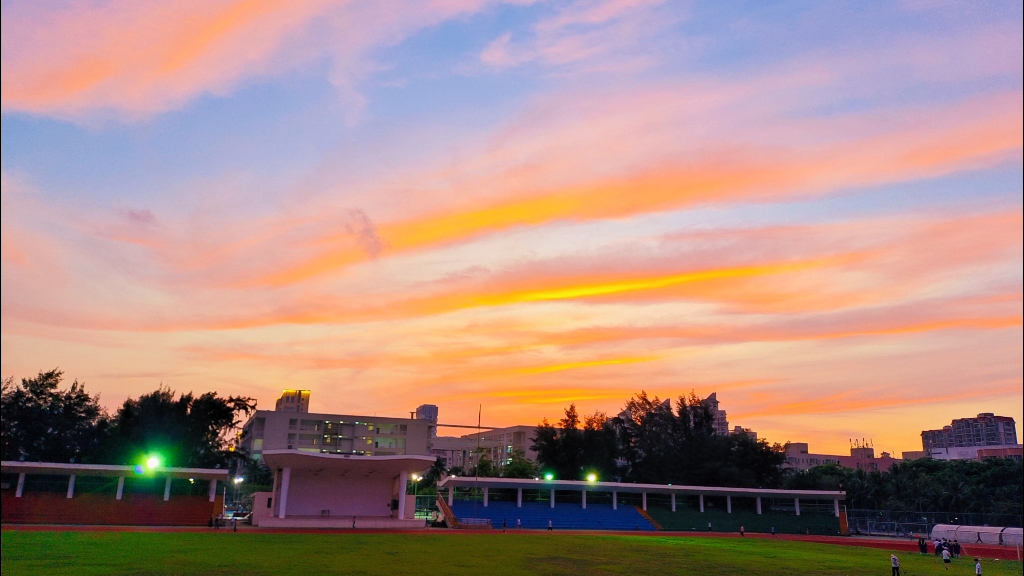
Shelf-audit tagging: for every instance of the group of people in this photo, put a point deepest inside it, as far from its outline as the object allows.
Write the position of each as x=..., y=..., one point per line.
x=944, y=552
x=219, y=520
x=942, y=547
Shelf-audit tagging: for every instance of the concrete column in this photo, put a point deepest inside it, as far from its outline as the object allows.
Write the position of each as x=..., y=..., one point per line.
x=584, y=499
x=21, y=486
x=403, y=486
x=701, y=502
x=519, y=498
x=758, y=504
x=552, y=497
x=487, y=492
x=836, y=502
x=615, y=500
x=286, y=478
x=451, y=495
x=71, y=486
x=120, y=487
x=167, y=490
x=673, y=502
x=213, y=488
x=796, y=504
x=644, y=498
x=728, y=504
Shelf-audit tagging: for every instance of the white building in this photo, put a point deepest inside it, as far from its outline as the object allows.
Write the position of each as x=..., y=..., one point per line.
x=498, y=444
x=332, y=433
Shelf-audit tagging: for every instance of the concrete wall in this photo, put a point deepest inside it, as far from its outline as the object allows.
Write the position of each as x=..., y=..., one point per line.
x=260, y=510
x=104, y=509
x=350, y=495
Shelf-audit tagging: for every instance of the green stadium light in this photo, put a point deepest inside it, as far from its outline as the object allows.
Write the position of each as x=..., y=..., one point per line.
x=152, y=462
x=591, y=477
x=549, y=476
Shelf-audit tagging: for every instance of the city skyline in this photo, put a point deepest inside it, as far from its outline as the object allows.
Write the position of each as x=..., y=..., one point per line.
x=523, y=205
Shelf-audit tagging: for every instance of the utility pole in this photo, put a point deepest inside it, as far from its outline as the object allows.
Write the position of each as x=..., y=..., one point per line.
x=476, y=482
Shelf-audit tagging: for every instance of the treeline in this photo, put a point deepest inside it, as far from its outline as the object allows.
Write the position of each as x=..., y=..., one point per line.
x=41, y=422
x=992, y=486
x=657, y=442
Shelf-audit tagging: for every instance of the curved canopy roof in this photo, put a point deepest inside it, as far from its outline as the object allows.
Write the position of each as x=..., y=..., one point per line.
x=544, y=484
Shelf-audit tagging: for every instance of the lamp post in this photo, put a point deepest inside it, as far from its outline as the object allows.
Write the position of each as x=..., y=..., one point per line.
x=415, y=487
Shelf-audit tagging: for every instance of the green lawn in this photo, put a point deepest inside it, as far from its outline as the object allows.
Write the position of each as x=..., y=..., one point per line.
x=444, y=553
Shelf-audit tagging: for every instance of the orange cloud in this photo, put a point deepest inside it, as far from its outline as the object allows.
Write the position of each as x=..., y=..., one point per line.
x=138, y=59
x=863, y=400
x=984, y=134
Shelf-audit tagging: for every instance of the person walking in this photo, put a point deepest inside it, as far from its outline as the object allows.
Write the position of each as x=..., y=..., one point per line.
x=977, y=567
x=895, y=565
x=773, y=531
x=550, y=527
x=519, y=523
x=946, y=557
x=234, y=524
x=743, y=532
x=709, y=526
x=503, y=526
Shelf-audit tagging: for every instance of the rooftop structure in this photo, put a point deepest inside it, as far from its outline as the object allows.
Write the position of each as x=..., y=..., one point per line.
x=745, y=431
x=862, y=457
x=293, y=401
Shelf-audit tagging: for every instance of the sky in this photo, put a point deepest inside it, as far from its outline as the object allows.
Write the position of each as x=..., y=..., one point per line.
x=812, y=209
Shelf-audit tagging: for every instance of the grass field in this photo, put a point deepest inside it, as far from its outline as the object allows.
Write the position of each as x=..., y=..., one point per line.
x=446, y=553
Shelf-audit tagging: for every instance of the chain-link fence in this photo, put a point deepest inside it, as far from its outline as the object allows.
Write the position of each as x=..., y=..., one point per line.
x=911, y=524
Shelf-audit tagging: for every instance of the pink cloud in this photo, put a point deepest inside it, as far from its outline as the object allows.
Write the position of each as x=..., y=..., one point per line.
x=134, y=59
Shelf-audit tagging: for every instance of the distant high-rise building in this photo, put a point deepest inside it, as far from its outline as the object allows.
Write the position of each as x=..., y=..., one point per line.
x=426, y=412
x=986, y=429
x=720, y=424
x=293, y=401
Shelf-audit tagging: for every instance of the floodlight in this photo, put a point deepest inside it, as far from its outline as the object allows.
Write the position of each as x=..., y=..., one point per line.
x=238, y=479
x=549, y=476
x=591, y=477
x=152, y=462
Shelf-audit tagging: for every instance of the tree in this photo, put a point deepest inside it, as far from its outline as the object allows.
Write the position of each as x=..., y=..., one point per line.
x=188, y=431
x=42, y=423
x=519, y=466
x=570, y=453
x=993, y=486
x=435, y=473
x=665, y=446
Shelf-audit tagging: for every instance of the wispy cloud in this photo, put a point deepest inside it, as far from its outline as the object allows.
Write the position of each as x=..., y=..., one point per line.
x=130, y=60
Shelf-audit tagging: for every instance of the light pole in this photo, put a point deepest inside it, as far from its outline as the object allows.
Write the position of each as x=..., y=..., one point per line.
x=415, y=487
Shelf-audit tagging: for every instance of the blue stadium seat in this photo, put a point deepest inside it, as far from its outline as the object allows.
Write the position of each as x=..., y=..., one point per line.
x=535, y=515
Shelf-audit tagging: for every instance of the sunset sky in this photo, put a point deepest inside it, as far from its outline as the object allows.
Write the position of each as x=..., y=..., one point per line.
x=814, y=209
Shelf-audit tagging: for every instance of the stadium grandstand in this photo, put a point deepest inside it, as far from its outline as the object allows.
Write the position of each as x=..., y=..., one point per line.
x=591, y=505
x=144, y=495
